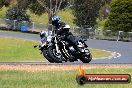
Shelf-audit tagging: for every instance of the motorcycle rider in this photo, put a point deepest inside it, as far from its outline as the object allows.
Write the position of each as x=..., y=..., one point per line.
x=57, y=23
x=43, y=36
x=62, y=29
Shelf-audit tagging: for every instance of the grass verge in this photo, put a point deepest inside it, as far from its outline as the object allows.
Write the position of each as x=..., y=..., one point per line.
x=98, y=53
x=56, y=79
x=13, y=49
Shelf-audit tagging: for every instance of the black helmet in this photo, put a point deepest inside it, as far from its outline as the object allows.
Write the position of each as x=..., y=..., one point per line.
x=55, y=20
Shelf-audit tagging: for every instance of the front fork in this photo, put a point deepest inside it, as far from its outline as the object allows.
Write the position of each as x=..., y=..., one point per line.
x=56, y=46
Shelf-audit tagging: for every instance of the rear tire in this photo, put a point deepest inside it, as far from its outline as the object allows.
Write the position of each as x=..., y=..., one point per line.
x=53, y=55
x=45, y=54
x=86, y=58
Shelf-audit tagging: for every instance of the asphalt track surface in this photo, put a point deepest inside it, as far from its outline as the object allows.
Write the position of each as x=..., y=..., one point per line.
x=122, y=50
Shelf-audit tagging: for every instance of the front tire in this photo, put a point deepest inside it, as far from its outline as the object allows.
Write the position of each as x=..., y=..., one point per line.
x=45, y=54
x=52, y=53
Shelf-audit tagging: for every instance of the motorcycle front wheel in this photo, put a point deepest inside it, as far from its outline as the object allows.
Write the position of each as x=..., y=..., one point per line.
x=45, y=54
x=54, y=55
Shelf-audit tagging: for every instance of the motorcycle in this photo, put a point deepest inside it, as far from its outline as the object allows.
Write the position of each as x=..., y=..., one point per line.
x=61, y=50
x=57, y=50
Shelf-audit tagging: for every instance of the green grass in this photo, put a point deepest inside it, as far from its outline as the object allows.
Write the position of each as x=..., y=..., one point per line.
x=15, y=49
x=98, y=53
x=3, y=12
x=12, y=49
x=56, y=79
x=66, y=16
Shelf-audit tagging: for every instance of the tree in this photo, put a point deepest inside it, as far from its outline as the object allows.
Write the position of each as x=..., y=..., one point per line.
x=86, y=12
x=52, y=7
x=4, y=3
x=103, y=14
x=39, y=7
x=18, y=11
x=120, y=17
x=104, y=11
x=17, y=14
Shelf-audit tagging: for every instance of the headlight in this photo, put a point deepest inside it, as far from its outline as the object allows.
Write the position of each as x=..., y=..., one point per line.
x=49, y=38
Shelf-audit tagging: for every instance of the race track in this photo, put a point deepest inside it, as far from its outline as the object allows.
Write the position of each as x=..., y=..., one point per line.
x=122, y=50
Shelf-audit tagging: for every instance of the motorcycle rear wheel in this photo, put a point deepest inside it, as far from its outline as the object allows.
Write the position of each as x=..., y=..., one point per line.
x=86, y=58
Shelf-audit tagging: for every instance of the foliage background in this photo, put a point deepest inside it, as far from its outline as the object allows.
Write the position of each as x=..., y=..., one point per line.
x=120, y=17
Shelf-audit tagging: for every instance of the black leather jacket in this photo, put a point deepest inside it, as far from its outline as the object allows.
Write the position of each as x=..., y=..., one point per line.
x=65, y=34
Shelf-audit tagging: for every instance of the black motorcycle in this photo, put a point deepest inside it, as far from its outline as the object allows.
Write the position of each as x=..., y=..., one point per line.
x=56, y=50
x=61, y=50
